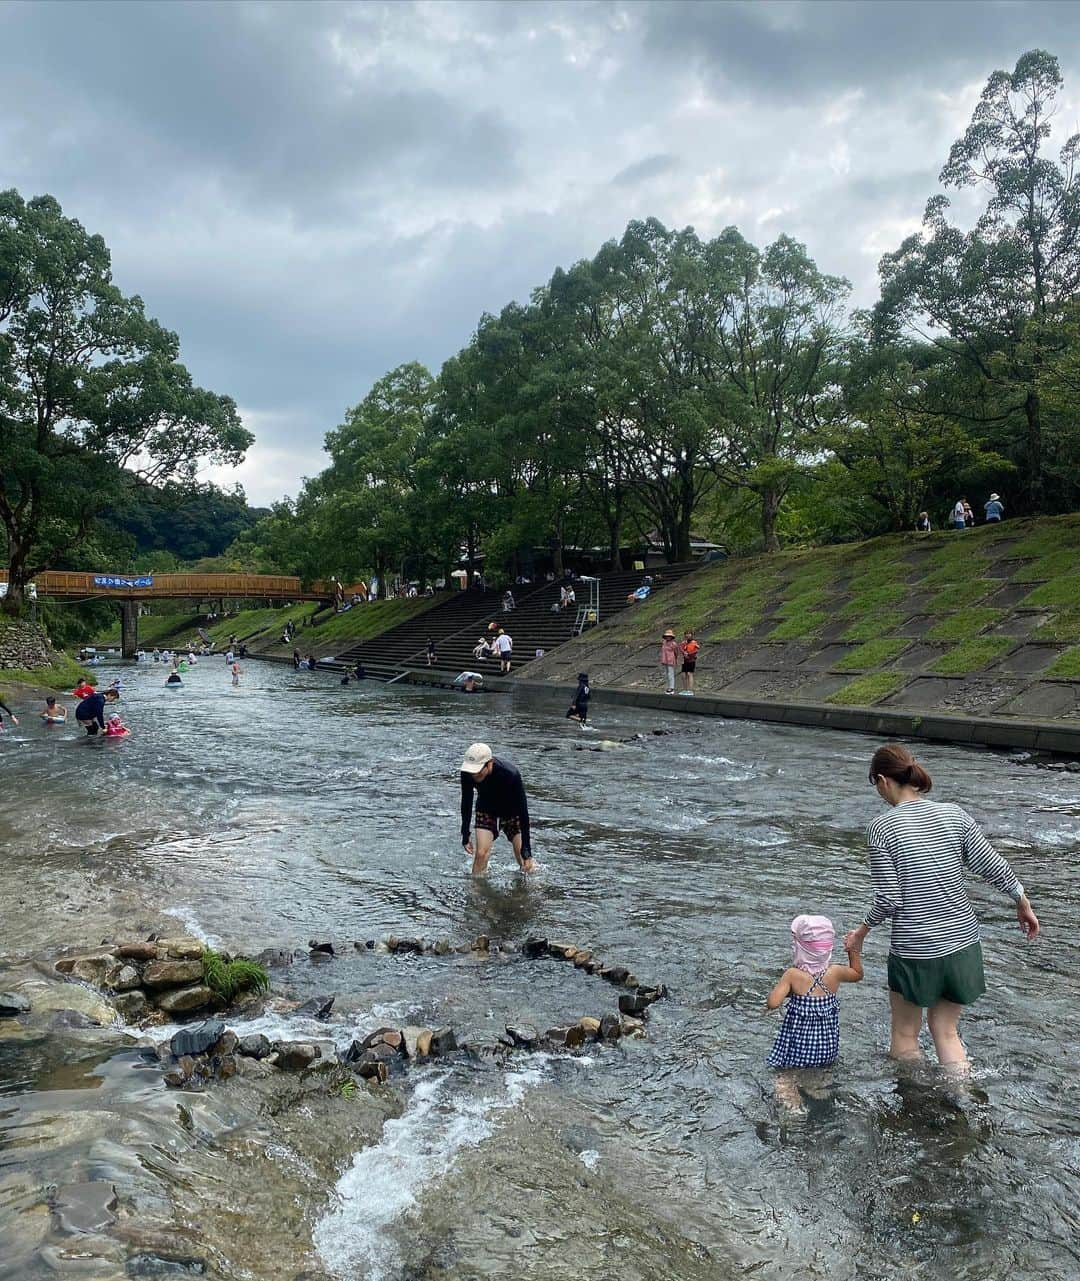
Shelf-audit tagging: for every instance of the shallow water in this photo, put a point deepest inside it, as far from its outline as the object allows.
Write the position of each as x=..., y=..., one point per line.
x=291, y=808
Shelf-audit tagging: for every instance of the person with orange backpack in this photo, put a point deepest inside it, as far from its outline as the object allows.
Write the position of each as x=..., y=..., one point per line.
x=690, y=650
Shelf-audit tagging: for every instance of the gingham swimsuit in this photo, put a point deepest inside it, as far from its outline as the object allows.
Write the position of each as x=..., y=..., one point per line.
x=810, y=1033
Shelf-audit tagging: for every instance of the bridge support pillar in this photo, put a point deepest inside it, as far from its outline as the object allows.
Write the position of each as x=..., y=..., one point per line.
x=129, y=628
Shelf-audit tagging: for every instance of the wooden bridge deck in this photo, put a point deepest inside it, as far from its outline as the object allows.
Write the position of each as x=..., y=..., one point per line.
x=76, y=585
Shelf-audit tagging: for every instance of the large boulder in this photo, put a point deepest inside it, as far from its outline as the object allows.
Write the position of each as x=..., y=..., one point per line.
x=295, y=1056
x=131, y=1005
x=88, y=967
x=137, y=951
x=172, y=973
x=181, y=949
x=197, y=1040
x=123, y=978
x=183, y=1000
x=254, y=1046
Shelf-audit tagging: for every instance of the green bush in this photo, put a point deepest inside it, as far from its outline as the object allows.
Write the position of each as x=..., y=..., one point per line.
x=872, y=654
x=869, y=689
x=965, y=624
x=229, y=978
x=972, y=655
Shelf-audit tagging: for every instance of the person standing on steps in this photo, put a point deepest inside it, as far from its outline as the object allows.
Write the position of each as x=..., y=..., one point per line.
x=500, y=803
x=690, y=650
x=918, y=852
x=504, y=646
x=669, y=657
x=431, y=651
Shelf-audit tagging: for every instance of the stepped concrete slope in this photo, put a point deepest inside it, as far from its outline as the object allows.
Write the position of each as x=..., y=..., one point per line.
x=979, y=624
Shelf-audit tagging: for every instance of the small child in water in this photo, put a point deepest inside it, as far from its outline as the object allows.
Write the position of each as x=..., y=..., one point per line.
x=115, y=727
x=809, y=1036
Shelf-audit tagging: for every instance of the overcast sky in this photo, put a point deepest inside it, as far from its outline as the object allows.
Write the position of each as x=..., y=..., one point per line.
x=311, y=194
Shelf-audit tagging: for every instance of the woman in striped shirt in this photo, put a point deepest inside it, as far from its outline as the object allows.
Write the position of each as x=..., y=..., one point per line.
x=918, y=851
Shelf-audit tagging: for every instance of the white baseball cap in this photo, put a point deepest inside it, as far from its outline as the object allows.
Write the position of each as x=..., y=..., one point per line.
x=476, y=758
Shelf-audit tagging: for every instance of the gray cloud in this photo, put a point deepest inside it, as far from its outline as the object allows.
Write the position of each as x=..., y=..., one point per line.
x=313, y=193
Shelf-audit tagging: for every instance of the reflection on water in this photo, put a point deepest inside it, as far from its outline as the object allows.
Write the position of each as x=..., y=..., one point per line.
x=292, y=808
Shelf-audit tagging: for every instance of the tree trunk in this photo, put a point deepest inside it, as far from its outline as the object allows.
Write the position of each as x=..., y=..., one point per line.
x=1034, y=451
x=13, y=603
x=615, y=538
x=770, y=507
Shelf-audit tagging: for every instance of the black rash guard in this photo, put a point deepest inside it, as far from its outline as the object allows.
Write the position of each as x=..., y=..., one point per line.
x=501, y=794
x=92, y=708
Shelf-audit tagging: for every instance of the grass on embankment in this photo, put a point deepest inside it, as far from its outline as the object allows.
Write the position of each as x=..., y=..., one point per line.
x=60, y=677
x=260, y=629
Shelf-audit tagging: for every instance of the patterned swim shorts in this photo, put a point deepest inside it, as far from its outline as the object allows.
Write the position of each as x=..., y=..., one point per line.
x=491, y=823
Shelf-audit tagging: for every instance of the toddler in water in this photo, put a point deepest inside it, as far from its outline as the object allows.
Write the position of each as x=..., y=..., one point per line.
x=809, y=1036
x=115, y=727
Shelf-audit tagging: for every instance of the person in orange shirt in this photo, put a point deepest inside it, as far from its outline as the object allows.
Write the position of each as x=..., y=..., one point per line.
x=690, y=650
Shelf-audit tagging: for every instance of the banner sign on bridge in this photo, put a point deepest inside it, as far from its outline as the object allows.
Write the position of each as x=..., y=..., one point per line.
x=117, y=580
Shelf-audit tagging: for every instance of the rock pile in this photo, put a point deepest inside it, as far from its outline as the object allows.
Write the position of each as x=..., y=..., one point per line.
x=142, y=977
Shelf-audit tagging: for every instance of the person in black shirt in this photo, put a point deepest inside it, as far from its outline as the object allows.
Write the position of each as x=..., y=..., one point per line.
x=91, y=711
x=579, y=708
x=4, y=708
x=500, y=803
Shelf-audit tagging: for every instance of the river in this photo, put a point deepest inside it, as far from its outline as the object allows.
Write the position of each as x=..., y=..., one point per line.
x=291, y=809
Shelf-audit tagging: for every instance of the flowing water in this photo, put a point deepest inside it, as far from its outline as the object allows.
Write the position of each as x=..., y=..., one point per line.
x=292, y=808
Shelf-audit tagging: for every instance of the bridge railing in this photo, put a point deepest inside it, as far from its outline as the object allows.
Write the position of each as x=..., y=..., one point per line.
x=59, y=582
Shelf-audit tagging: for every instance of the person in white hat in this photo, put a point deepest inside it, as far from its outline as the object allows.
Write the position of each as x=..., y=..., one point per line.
x=500, y=803
x=993, y=509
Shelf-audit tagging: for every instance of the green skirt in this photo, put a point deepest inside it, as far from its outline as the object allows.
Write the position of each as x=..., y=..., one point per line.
x=958, y=977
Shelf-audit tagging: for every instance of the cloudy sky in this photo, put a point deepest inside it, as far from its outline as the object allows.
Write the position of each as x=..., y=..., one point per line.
x=311, y=194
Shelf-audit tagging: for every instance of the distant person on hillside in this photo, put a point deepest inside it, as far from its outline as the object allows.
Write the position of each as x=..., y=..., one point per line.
x=431, y=651
x=922, y=523
x=500, y=803
x=690, y=649
x=993, y=509
x=504, y=647
x=579, y=706
x=669, y=657
x=482, y=649
x=969, y=515
x=956, y=519
x=91, y=711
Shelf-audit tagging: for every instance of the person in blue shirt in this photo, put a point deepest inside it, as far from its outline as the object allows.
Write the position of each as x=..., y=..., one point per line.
x=993, y=509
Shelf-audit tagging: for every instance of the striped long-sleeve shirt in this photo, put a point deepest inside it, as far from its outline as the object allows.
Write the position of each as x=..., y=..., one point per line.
x=918, y=851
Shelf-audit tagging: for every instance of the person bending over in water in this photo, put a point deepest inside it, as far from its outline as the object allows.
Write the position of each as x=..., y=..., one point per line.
x=579, y=707
x=91, y=711
x=809, y=1036
x=500, y=802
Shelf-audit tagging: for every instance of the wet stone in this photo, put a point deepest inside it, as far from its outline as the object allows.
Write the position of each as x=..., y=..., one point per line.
x=185, y=999
x=443, y=1041
x=590, y=1026
x=535, y=947
x=631, y=1003
x=318, y=1007
x=610, y=1027
x=325, y=949
x=125, y=979
x=374, y=1070
x=274, y=957
x=255, y=1045
x=197, y=1040
x=576, y=1037
x=295, y=1056
x=85, y=1207
x=137, y=951
x=614, y=973
x=181, y=949
x=131, y=1005
x=172, y=973
x=160, y=1267
x=523, y=1036
x=12, y=1003
x=443, y=948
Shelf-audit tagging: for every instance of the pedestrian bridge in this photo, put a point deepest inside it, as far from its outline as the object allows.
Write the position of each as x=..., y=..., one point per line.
x=75, y=585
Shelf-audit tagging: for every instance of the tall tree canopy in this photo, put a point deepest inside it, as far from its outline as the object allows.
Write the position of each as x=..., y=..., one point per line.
x=92, y=395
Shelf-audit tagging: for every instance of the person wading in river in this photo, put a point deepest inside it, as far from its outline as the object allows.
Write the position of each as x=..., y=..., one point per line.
x=500, y=802
x=91, y=711
x=918, y=852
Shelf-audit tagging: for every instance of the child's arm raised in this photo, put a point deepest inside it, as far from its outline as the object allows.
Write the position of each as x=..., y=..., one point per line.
x=779, y=994
x=853, y=971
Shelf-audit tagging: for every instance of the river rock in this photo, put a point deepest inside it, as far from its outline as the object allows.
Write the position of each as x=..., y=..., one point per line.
x=86, y=1207
x=158, y=1266
x=137, y=951
x=183, y=1000
x=410, y=1039
x=197, y=1040
x=631, y=1003
x=610, y=1027
x=172, y=973
x=593, y=966
x=443, y=1041
x=423, y=1044
x=181, y=949
x=255, y=1046
x=523, y=1036
x=561, y=951
x=274, y=957
x=614, y=973
x=321, y=949
x=481, y=943
x=590, y=1026
x=582, y=958
x=295, y=1056
x=374, y=1070
x=124, y=979
x=253, y=1067
x=535, y=947
x=631, y=1026
x=442, y=947
x=131, y=1005
x=404, y=947
x=90, y=967
x=318, y=1007
x=223, y=1066
x=13, y=1003
x=575, y=1037
x=62, y=1019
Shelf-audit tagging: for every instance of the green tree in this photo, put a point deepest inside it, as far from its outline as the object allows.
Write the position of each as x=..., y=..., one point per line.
x=92, y=395
x=993, y=296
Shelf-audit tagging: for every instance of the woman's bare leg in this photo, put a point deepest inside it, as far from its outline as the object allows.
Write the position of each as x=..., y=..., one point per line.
x=906, y=1024
x=942, y=1020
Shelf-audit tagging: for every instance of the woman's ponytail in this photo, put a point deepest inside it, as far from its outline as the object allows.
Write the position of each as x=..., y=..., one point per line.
x=897, y=763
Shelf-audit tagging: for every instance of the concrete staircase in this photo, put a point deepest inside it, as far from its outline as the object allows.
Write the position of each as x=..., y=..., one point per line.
x=457, y=625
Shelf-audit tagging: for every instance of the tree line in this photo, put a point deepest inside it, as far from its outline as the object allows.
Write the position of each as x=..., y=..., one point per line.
x=670, y=384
